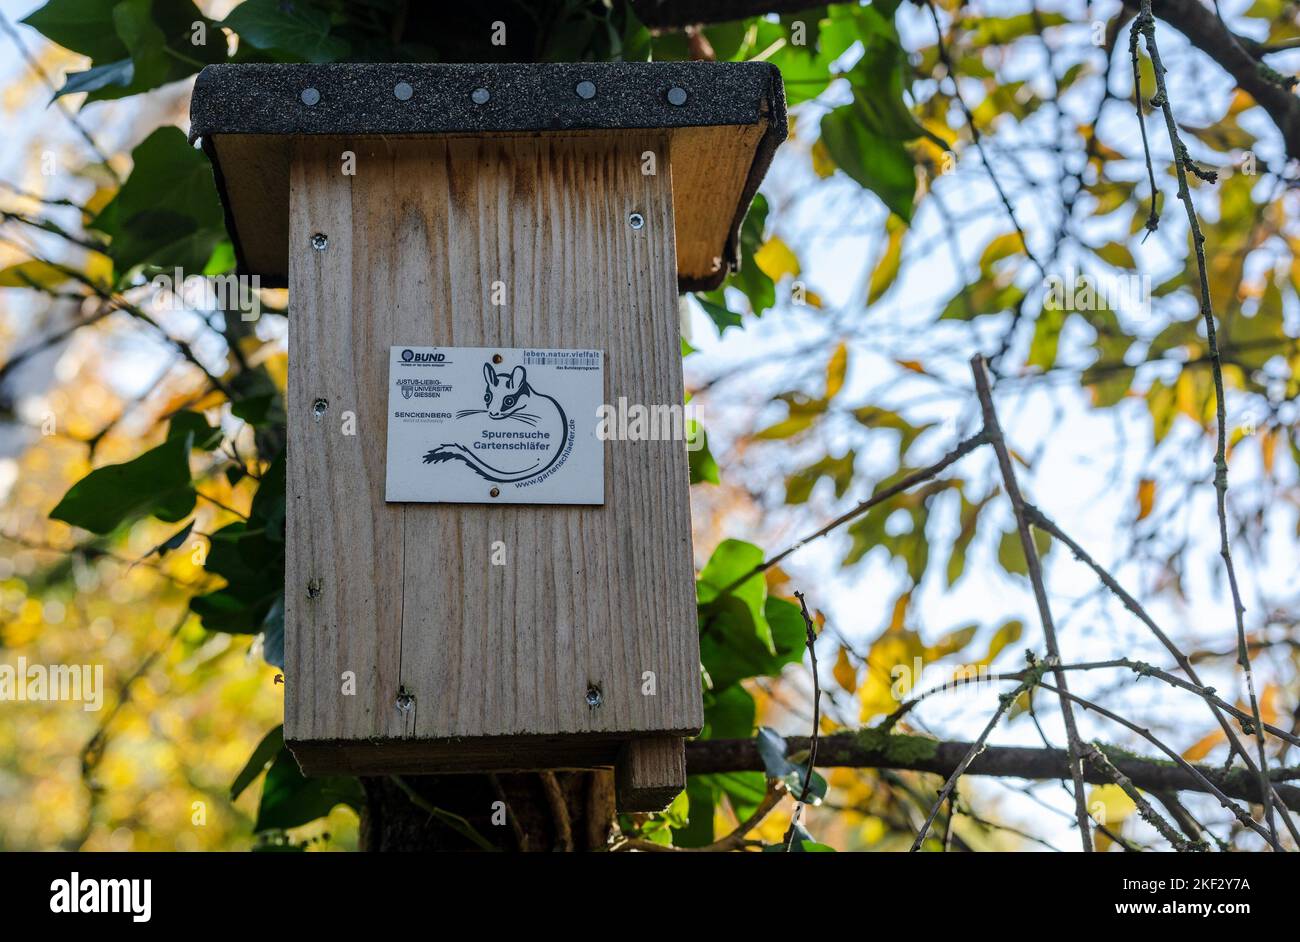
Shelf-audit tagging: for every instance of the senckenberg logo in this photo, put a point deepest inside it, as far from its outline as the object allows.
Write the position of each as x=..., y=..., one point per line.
x=76, y=895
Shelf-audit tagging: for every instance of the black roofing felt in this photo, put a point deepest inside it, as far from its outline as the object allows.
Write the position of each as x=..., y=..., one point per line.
x=360, y=99
x=372, y=98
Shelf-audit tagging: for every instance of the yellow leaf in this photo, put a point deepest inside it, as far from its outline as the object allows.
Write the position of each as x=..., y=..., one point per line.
x=1146, y=497
x=1268, y=448
x=1108, y=805
x=886, y=270
x=32, y=274
x=822, y=163
x=1001, y=247
x=846, y=675
x=1199, y=750
x=99, y=199
x=835, y=370
x=775, y=259
x=914, y=365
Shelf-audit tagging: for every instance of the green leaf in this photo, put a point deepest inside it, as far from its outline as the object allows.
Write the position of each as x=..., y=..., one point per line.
x=270, y=746
x=715, y=306
x=259, y=410
x=1011, y=555
x=120, y=73
x=289, y=799
x=252, y=563
x=882, y=165
x=755, y=285
x=731, y=561
x=1008, y=633
x=84, y=26
x=983, y=297
x=728, y=713
x=701, y=796
x=296, y=32
x=1116, y=254
x=157, y=482
x=772, y=750
x=172, y=542
x=799, y=485
x=273, y=634
x=203, y=436
x=996, y=30
x=167, y=213
x=742, y=632
x=703, y=466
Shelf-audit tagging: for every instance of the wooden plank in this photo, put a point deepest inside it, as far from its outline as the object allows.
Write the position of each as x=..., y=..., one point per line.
x=710, y=168
x=651, y=772
x=344, y=561
x=590, y=598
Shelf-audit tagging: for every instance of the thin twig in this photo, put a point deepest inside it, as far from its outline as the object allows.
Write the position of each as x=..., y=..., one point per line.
x=1146, y=24
x=1148, y=813
x=964, y=448
x=811, y=641
x=1044, y=523
x=1034, y=567
x=1150, y=737
x=1004, y=704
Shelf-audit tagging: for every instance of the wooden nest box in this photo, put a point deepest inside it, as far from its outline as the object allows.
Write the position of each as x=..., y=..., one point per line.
x=478, y=257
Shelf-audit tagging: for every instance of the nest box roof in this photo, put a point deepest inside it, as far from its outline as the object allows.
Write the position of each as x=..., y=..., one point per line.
x=724, y=120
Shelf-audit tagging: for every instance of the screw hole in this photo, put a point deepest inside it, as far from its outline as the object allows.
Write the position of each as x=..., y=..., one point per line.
x=636, y=221
x=319, y=241
x=594, y=697
x=313, y=589
x=319, y=406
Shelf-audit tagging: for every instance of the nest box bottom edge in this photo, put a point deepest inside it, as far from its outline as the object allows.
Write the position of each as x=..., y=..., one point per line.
x=650, y=769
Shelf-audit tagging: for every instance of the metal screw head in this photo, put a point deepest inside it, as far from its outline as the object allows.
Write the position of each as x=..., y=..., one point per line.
x=405, y=700
x=319, y=406
x=677, y=96
x=402, y=91
x=480, y=96
x=319, y=241
x=310, y=96
x=636, y=221
x=495, y=492
x=586, y=89
x=594, y=697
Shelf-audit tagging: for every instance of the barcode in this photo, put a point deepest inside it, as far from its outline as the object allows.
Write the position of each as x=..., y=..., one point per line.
x=576, y=359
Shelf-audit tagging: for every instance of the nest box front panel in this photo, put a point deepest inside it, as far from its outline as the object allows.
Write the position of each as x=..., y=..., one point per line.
x=472, y=631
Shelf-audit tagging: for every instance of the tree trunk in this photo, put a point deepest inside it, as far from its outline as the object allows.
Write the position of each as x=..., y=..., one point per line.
x=534, y=811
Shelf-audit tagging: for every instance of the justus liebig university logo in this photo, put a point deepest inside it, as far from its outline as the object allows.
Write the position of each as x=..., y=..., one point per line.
x=526, y=433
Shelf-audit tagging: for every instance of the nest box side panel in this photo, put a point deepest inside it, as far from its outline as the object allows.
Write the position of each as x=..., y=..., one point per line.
x=554, y=646
x=343, y=575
